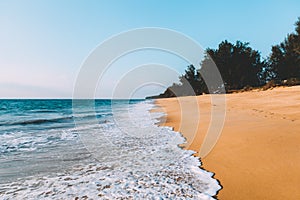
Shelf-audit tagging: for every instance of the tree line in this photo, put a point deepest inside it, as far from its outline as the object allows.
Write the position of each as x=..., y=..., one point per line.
x=242, y=67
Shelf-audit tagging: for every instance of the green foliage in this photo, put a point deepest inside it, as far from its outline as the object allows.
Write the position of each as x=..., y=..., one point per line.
x=191, y=83
x=193, y=79
x=285, y=57
x=241, y=67
x=238, y=64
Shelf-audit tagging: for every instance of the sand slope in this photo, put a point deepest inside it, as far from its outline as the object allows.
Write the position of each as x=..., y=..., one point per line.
x=258, y=154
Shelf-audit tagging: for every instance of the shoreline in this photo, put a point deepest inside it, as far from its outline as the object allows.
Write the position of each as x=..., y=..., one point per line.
x=257, y=155
x=161, y=121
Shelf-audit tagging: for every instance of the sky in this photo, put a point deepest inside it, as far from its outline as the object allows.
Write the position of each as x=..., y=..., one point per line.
x=43, y=44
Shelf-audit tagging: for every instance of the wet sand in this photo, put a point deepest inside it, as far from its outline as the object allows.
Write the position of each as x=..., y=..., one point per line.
x=258, y=153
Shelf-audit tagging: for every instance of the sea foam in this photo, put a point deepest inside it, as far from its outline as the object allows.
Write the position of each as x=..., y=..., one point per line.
x=140, y=161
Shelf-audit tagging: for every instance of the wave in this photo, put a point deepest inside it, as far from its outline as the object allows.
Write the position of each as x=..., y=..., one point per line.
x=25, y=141
x=133, y=159
x=39, y=121
x=55, y=120
x=44, y=111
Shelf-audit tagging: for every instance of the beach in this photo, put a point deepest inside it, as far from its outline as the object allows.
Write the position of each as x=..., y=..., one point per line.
x=258, y=153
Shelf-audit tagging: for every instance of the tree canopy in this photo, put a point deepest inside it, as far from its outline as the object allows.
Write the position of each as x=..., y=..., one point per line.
x=284, y=60
x=241, y=66
x=238, y=64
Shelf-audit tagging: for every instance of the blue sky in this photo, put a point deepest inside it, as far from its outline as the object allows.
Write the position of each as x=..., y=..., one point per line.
x=44, y=43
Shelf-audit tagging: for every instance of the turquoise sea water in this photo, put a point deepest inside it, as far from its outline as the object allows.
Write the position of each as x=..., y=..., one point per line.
x=102, y=149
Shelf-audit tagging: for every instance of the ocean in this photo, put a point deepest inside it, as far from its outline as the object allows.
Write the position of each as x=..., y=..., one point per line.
x=95, y=149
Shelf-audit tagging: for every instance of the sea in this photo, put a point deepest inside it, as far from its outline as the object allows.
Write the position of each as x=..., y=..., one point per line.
x=95, y=149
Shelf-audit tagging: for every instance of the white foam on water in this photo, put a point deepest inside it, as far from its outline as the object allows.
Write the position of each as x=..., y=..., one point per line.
x=139, y=161
x=26, y=141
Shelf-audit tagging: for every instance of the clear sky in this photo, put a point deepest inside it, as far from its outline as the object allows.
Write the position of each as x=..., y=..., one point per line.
x=44, y=43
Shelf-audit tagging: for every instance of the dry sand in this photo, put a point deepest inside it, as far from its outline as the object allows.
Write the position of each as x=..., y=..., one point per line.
x=258, y=153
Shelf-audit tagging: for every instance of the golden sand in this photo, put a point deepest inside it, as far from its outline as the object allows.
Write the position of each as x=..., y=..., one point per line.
x=258, y=153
